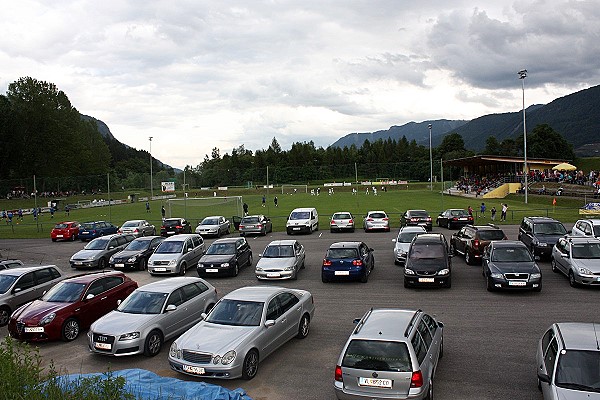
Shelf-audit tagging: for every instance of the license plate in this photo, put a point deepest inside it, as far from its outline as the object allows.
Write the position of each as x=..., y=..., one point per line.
x=211, y=270
x=462, y=219
x=296, y=229
x=59, y=235
x=84, y=232
x=427, y=280
x=170, y=232
x=342, y=273
x=381, y=383
x=78, y=263
x=516, y=283
x=160, y=270
x=34, y=329
x=193, y=370
x=273, y=275
x=119, y=265
x=249, y=226
x=103, y=346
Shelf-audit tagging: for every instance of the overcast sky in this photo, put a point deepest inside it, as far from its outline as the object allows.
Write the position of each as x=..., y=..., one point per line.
x=201, y=74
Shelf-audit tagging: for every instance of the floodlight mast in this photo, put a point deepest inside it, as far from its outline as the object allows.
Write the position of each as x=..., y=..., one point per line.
x=522, y=75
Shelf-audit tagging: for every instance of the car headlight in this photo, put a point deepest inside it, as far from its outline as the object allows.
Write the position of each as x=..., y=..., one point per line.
x=111, y=259
x=541, y=244
x=47, y=319
x=444, y=271
x=408, y=271
x=288, y=269
x=259, y=269
x=585, y=271
x=132, y=259
x=228, y=357
x=535, y=276
x=173, y=262
x=174, y=352
x=496, y=275
x=225, y=265
x=130, y=336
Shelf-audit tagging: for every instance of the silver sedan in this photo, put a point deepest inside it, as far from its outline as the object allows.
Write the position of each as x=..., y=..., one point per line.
x=150, y=315
x=243, y=328
x=282, y=259
x=214, y=226
x=137, y=228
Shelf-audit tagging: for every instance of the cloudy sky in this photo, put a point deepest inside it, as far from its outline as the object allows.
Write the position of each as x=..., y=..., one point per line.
x=197, y=74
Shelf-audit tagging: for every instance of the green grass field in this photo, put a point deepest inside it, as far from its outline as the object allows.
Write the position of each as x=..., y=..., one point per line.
x=395, y=201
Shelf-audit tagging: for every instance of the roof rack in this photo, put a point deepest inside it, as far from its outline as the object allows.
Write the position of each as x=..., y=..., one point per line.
x=362, y=321
x=412, y=322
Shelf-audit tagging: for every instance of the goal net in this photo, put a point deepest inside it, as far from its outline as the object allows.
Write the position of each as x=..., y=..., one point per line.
x=196, y=208
x=291, y=189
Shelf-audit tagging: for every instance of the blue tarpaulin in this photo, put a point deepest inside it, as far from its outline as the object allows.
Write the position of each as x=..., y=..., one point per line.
x=146, y=385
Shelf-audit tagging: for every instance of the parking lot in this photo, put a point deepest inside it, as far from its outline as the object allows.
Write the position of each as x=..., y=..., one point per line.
x=489, y=340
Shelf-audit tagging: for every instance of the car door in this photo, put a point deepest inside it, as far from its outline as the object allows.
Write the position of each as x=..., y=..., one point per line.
x=366, y=255
x=562, y=258
x=548, y=366
x=174, y=321
x=300, y=255
x=24, y=290
x=275, y=334
x=421, y=351
x=459, y=240
x=292, y=311
x=436, y=334
x=95, y=302
x=430, y=360
x=525, y=233
x=242, y=251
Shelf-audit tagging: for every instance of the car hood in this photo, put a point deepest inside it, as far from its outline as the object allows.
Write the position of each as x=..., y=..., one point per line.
x=164, y=256
x=570, y=394
x=296, y=222
x=550, y=239
x=402, y=247
x=593, y=264
x=117, y=323
x=216, y=258
x=427, y=264
x=38, y=309
x=214, y=338
x=515, y=267
x=275, y=262
x=128, y=253
x=85, y=254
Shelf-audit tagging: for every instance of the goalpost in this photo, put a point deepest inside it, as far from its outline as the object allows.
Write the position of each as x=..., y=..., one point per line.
x=291, y=189
x=196, y=208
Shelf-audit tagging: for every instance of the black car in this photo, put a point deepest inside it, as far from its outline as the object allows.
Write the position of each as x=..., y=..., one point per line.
x=540, y=234
x=472, y=240
x=454, y=218
x=348, y=260
x=508, y=264
x=136, y=254
x=174, y=226
x=417, y=218
x=428, y=262
x=225, y=256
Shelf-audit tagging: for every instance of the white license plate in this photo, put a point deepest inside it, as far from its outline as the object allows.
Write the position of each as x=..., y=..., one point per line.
x=341, y=273
x=211, y=270
x=119, y=265
x=171, y=232
x=373, y=382
x=78, y=263
x=462, y=219
x=84, y=232
x=426, y=280
x=516, y=283
x=160, y=270
x=34, y=329
x=193, y=370
x=249, y=226
x=296, y=229
x=273, y=275
x=102, y=346
x=59, y=236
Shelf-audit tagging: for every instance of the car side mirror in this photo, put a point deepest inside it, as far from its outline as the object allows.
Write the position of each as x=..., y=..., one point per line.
x=89, y=296
x=119, y=302
x=203, y=316
x=543, y=377
x=171, y=307
x=394, y=240
x=356, y=321
x=564, y=255
x=260, y=255
x=111, y=247
x=17, y=290
x=371, y=250
x=269, y=323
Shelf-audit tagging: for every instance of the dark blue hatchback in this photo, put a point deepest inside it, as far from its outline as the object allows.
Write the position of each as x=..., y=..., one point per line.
x=348, y=261
x=92, y=230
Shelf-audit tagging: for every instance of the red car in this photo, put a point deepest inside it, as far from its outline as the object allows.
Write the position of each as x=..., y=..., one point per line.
x=68, y=230
x=70, y=306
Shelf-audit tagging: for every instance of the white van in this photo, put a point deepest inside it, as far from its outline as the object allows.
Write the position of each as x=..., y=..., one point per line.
x=303, y=220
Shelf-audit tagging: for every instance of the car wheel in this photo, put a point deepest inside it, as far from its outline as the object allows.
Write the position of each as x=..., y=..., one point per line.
x=250, y=367
x=468, y=258
x=4, y=315
x=365, y=277
x=73, y=237
x=489, y=284
x=102, y=263
x=302, y=266
x=331, y=230
x=250, y=260
x=554, y=267
x=235, y=270
x=54, y=239
x=430, y=391
x=154, y=342
x=539, y=288
x=452, y=249
x=448, y=284
x=572, y=280
x=70, y=330
x=143, y=264
x=441, y=348
x=406, y=284
x=304, y=327
x=449, y=225
x=324, y=278
x=182, y=269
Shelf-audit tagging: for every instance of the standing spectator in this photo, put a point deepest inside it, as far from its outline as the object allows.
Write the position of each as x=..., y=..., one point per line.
x=275, y=201
x=374, y=191
x=245, y=206
x=493, y=211
x=35, y=214
x=470, y=211
x=264, y=201
x=51, y=211
x=20, y=214
x=163, y=211
x=3, y=214
x=10, y=217
x=482, y=209
x=147, y=206
x=67, y=210
x=503, y=212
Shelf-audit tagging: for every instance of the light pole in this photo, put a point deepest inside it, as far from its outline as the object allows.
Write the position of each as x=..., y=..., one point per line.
x=522, y=75
x=430, y=161
x=151, y=188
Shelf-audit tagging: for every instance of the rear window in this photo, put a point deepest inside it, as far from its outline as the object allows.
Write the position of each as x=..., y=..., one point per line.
x=61, y=226
x=172, y=222
x=377, y=215
x=419, y=214
x=250, y=220
x=495, y=234
x=342, y=216
x=377, y=355
x=342, y=253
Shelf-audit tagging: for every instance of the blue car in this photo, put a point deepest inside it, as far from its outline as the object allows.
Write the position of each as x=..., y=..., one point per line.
x=348, y=261
x=92, y=230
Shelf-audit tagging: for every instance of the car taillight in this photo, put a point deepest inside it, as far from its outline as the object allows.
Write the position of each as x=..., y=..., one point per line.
x=259, y=226
x=416, y=380
x=357, y=262
x=369, y=219
x=455, y=219
x=476, y=243
x=119, y=230
x=350, y=221
x=163, y=227
x=241, y=226
x=332, y=222
x=338, y=373
x=428, y=219
x=326, y=263
x=178, y=227
x=414, y=219
x=136, y=230
x=386, y=219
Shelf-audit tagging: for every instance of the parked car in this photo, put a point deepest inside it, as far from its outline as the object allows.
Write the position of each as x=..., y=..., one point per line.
x=214, y=226
x=176, y=254
x=508, y=264
x=405, y=237
x=578, y=258
x=390, y=354
x=20, y=285
x=96, y=253
x=342, y=221
x=454, y=218
x=225, y=256
x=567, y=361
x=429, y=261
x=6, y=264
x=68, y=230
x=243, y=328
x=375, y=221
x=348, y=260
x=302, y=220
x=258, y=224
x=540, y=234
x=92, y=230
x=417, y=218
x=175, y=226
x=136, y=254
x=587, y=227
x=471, y=241
x=137, y=228
x=70, y=306
x=151, y=315
x=281, y=259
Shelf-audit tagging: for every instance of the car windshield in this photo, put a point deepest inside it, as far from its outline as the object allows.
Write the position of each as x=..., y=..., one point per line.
x=342, y=216
x=210, y=221
x=508, y=254
x=169, y=247
x=250, y=220
x=64, y=292
x=578, y=370
x=221, y=248
x=459, y=213
x=97, y=244
x=141, y=302
x=61, y=226
x=426, y=250
x=130, y=224
x=407, y=237
x=300, y=215
x=586, y=250
x=6, y=282
x=279, y=251
x=138, y=245
x=493, y=234
x=342, y=253
x=236, y=312
x=549, y=228
x=377, y=355
x=377, y=215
